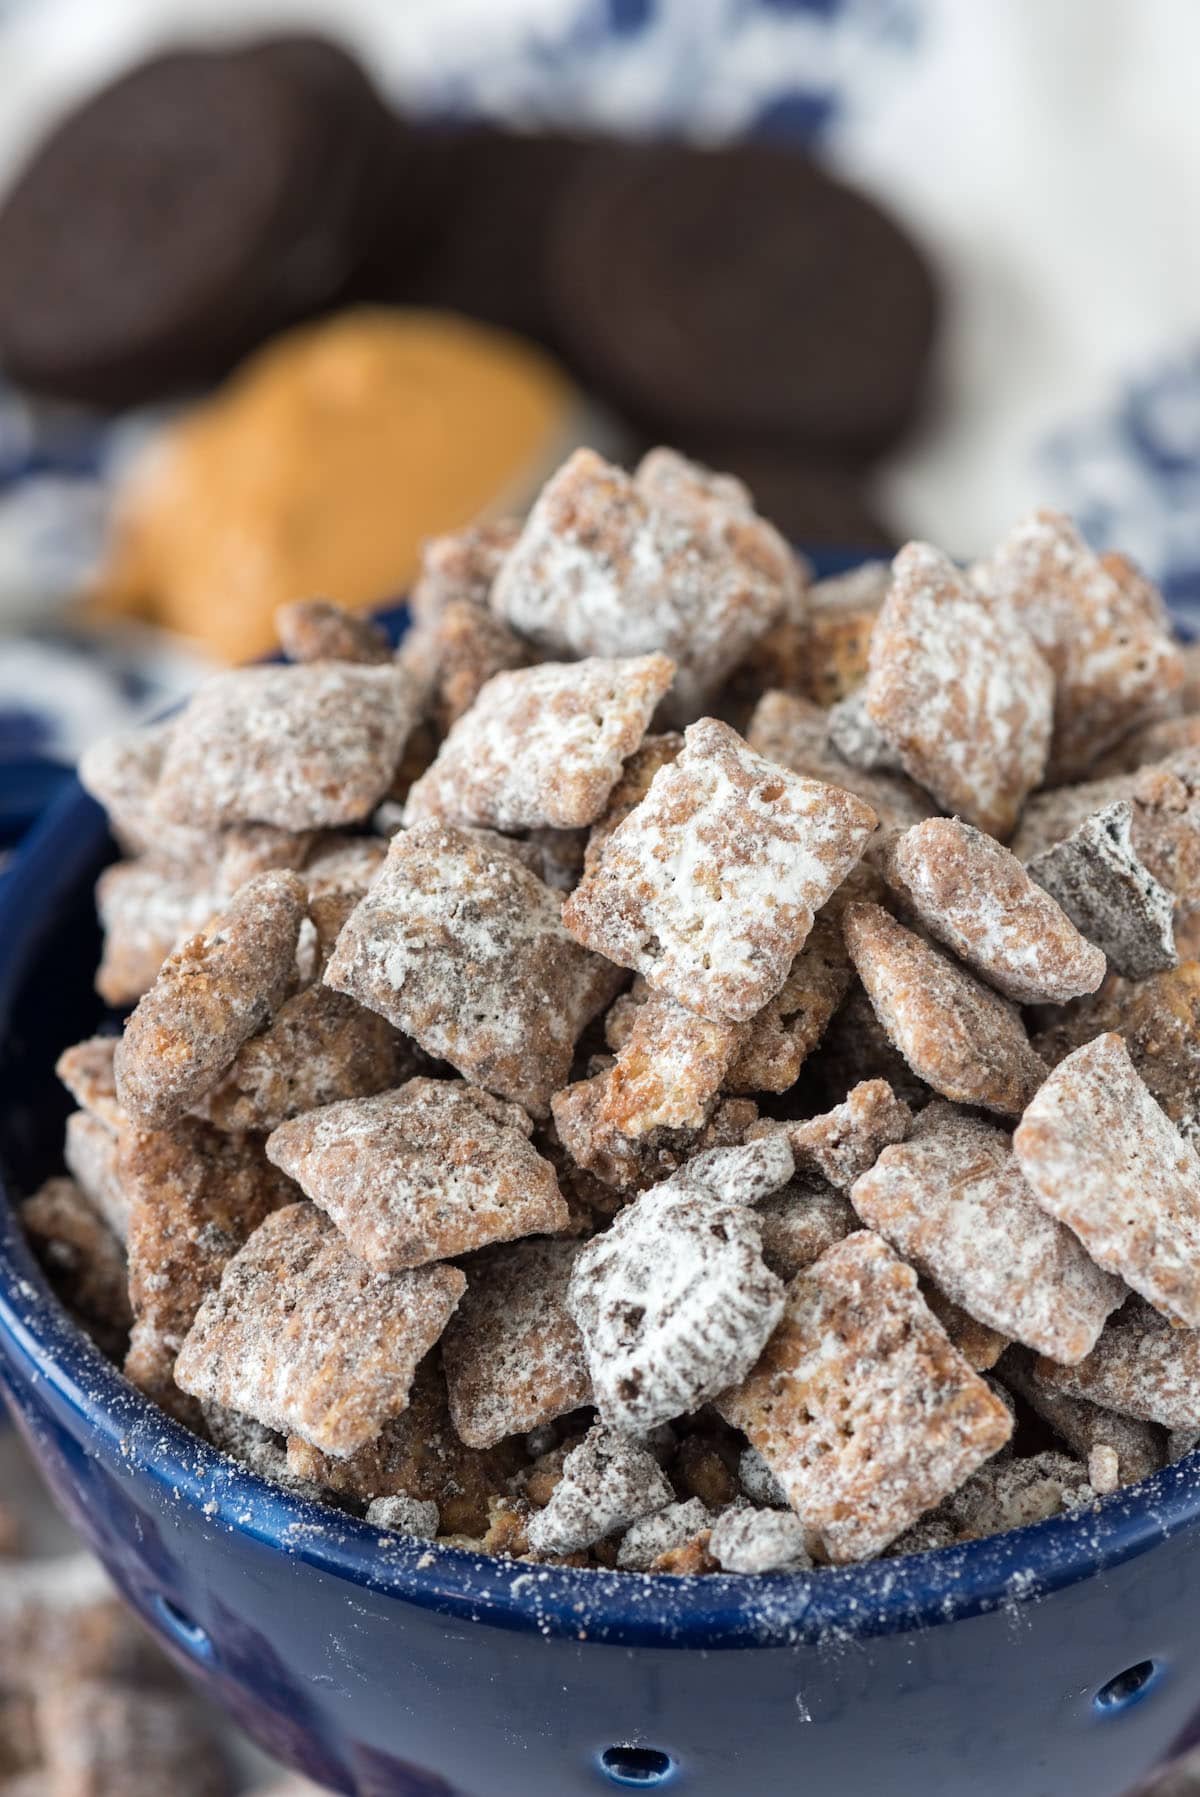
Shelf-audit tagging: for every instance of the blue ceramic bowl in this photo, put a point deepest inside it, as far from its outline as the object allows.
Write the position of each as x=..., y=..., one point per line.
x=1059, y=1658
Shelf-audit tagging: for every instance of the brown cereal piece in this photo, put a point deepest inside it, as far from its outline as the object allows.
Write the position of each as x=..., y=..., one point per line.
x=106, y=1739
x=669, y=560
x=318, y=630
x=1003, y=1495
x=252, y=849
x=462, y=566
x=79, y=1252
x=1109, y=894
x=262, y=1342
x=121, y=773
x=668, y=1069
x=953, y=1202
x=860, y=1405
x=979, y=1345
x=673, y=1302
x=418, y=1454
x=86, y=1070
x=960, y=690
x=338, y=863
x=961, y=1038
x=795, y=733
x=512, y=1355
x=542, y=746
x=608, y=1482
x=634, y=783
x=745, y=1540
x=1159, y=1020
x=1140, y=1367
x=209, y=997
x=1102, y=631
x=744, y=1174
x=319, y=1047
x=842, y=612
x=416, y=1517
x=973, y=895
x=460, y=947
x=149, y=1364
x=302, y=747
x=456, y=654
x=92, y=1152
x=777, y=1042
x=800, y=1222
x=689, y=1561
x=1151, y=744
x=662, y=1532
x=146, y=909
x=428, y=1171
x=626, y=1163
x=195, y=1196
x=1102, y=1157
x=845, y=1142
x=1137, y=1447
x=710, y=885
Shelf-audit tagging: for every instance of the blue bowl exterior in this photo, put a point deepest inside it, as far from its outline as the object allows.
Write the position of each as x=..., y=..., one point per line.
x=380, y=1666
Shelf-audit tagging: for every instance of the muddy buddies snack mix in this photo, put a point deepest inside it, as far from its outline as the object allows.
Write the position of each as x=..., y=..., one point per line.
x=544, y=1131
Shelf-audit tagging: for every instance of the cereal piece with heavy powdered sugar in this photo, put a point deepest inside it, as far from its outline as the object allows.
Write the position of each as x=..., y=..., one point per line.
x=454, y=655
x=667, y=560
x=801, y=1221
x=195, y=1196
x=669, y=1069
x=418, y=1454
x=318, y=630
x=1140, y=1367
x=462, y=566
x=121, y=773
x=319, y=1047
x=86, y=1070
x=208, y=999
x=843, y=1143
x=860, y=1405
x=608, y=1482
x=953, y=1202
x=774, y=1045
x=92, y=1152
x=1103, y=1157
x=745, y=1540
x=1097, y=877
x=512, y=1355
x=80, y=1252
x=146, y=910
x=973, y=895
x=463, y=949
x=635, y=781
x=795, y=733
x=305, y=746
x=1115, y=664
x=1138, y=1447
x=961, y=1038
x=960, y=690
x=305, y=1338
x=1159, y=1021
x=416, y=1517
x=851, y=733
x=542, y=746
x=743, y=1175
x=428, y=1171
x=674, y=1302
x=710, y=885
x=661, y=1532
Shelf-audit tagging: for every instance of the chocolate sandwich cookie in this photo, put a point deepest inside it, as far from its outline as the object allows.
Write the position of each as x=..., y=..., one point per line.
x=740, y=291
x=182, y=214
x=492, y=196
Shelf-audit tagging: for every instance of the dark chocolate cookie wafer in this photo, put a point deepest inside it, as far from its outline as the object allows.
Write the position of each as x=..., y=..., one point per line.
x=740, y=291
x=183, y=213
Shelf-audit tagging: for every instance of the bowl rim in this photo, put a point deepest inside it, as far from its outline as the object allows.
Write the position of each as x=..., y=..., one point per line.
x=713, y=1611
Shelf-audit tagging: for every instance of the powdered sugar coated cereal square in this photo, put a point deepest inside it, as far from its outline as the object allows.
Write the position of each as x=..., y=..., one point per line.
x=710, y=885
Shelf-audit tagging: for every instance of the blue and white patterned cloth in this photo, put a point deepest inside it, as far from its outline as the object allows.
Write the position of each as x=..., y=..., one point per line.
x=1047, y=155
